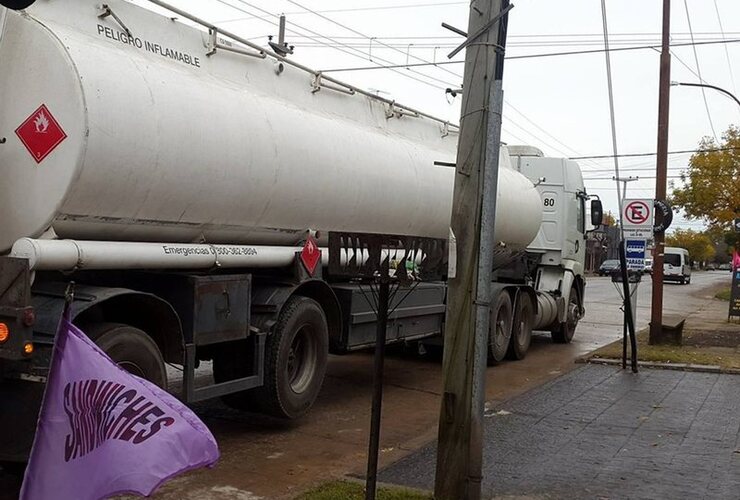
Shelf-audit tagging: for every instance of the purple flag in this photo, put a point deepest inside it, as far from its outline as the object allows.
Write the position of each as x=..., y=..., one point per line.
x=103, y=431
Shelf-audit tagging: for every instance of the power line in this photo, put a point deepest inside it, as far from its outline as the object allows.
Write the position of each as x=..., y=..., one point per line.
x=532, y=56
x=356, y=32
x=636, y=155
x=727, y=52
x=354, y=9
x=698, y=71
x=352, y=30
x=338, y=45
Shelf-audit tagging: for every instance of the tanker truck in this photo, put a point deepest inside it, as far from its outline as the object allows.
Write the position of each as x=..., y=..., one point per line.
x=186, y=179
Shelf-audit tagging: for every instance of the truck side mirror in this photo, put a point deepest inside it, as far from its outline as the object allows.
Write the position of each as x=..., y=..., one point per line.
x=16, y=4
x=597, y=213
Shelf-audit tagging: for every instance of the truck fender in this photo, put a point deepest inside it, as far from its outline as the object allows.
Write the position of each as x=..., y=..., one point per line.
x=268, y=301
x=92, y=304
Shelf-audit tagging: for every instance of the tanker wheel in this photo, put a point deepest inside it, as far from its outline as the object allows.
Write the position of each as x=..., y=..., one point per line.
x=296, y=354
x=499, y=331
x=521, y=330
x=132, y=349
x=563, y=333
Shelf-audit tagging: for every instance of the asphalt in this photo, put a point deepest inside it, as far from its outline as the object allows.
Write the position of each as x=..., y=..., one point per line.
x=600, y=432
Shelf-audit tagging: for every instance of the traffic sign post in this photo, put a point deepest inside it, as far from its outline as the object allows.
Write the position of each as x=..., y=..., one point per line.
x=635, y=250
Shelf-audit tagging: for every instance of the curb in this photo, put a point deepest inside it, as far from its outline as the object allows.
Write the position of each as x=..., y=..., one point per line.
x=663, y=366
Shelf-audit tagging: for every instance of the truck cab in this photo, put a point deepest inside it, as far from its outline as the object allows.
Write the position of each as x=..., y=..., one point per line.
x=559, y=247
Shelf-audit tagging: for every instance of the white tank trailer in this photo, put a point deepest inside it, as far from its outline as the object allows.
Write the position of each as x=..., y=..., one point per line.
x=133, y=145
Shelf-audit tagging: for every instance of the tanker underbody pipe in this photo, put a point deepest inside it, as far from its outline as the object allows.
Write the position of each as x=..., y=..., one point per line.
x=72, y=255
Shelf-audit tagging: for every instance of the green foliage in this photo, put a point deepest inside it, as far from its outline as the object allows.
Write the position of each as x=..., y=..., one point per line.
x=723, y=294
x=699, y=245
x=711, y=189
x=346, y=490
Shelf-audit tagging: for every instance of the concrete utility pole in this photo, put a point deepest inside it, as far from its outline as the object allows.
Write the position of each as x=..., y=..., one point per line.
x=460, y=455
x=661, y=179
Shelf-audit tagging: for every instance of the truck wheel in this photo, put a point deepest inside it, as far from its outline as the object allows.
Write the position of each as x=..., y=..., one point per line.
x=563, y=333
x=295, y=360
x=499, y=331
x=521, y=330
x=132, y=349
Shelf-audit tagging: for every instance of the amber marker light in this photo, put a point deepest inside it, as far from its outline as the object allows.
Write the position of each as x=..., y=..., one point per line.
x=4, y=333
x=28, y=348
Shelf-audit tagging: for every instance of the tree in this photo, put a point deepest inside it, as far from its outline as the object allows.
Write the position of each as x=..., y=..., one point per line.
x=698, y=244
x=608, y=219
x=711, y=184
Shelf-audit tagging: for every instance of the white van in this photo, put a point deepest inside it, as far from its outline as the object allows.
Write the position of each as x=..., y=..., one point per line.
x=676, y=265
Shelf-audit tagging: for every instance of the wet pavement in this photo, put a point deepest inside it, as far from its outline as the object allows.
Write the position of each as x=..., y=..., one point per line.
x=600, y=432
x=270, y=459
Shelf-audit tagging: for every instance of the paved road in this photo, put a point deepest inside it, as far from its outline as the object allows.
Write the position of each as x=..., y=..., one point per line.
x=261, y=457
x=600, y=432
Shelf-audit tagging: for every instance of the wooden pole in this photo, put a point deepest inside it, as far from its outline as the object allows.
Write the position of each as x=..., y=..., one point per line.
x=661, y=180
x=459, y=454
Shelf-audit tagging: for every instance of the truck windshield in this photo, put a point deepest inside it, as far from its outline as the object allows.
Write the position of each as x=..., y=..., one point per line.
x=673, y=259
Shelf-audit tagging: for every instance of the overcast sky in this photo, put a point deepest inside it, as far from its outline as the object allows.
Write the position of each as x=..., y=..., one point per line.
x=558, y=104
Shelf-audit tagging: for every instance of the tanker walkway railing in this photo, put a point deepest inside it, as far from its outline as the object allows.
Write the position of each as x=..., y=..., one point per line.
x=262, y=52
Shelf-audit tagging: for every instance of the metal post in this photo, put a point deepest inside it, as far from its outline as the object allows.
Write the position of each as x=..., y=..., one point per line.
x=628, y=315
x=460, y=452
x=661, y=180
x=281, y=31
x=380, y=337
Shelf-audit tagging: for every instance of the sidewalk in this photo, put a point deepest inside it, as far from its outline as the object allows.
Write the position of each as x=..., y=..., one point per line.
x=599, y=432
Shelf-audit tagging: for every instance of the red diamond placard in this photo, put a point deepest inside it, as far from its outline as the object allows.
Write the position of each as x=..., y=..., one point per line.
x=311, y=255
x=40, y=133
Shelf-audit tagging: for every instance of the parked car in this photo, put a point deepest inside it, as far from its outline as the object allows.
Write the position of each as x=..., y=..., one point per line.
x=710, y=267
x=648, y=266
x=608, y=267
x=725, y=267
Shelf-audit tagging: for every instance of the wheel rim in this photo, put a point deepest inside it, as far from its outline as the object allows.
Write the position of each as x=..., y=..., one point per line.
x=573, y=310
x=302, y=359
x=525, y=327
x=500, y=337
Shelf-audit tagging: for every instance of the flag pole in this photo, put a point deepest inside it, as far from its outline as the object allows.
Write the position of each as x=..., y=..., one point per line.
x=69, y=297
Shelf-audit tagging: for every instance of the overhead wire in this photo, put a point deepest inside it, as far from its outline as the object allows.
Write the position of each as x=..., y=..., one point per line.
x=534, y=56
x=355, y=9
x=698, y=72
x=727, y=52
x=338, y=47
x=352, y=30
x=356, y=32
x=636, y=155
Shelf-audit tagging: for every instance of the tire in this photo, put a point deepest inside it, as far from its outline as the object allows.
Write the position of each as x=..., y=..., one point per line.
x=133, y=350
x=682, y=280
x=499, y=330
x=521, y=330
x=296, y=354
x=564, y=332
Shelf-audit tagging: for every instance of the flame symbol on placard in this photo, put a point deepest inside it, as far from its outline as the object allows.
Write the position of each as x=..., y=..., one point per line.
x=41, y=122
